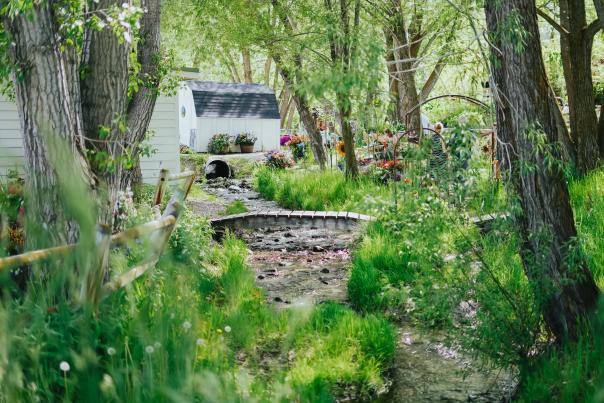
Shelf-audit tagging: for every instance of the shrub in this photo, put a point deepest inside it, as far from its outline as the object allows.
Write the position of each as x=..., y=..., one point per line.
x=236, y=207
x=195, y=162
x=219, y=143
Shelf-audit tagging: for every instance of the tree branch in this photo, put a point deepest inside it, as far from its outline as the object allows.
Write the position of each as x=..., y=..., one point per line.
x=552, y=22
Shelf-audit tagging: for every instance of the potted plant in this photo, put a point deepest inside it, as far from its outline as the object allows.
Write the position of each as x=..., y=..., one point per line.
x=219, y=144
x=246, y=142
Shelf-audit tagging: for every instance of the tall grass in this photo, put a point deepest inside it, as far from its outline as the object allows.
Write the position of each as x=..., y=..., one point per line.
x=422, y=259
x=194, y=329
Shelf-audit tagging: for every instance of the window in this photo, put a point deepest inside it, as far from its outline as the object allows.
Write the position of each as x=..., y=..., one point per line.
x=183, y=111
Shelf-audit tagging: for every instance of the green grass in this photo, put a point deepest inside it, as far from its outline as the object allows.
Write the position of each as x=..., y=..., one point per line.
x=236, y=207
x=399, y=269
x=194, y=329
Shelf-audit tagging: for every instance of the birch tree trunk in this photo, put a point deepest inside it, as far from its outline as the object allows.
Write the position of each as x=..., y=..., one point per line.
x=526, y=110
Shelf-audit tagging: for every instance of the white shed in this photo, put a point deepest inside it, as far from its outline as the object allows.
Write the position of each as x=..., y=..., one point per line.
x=209, y=108
x=165, y=126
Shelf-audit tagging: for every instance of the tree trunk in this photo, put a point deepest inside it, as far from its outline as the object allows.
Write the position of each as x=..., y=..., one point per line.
x=292, y=81
x=405, y=56
x=576, y=48
x=247, y=66
x=601, y=126
x=345, y=112
x=52, y=131
x=392, y=76
x=526, y=110
x=104, y=104
x=267, y=71
x=142, y=104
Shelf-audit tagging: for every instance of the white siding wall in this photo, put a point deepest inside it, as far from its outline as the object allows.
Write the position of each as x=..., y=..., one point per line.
x=189, y=121
x=165, y=141
x=267, y=131
x=11, y=141
x=164, y=123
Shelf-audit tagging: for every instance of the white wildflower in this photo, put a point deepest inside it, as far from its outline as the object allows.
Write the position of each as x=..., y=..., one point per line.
x=64, y=366
x=227, y=329
x=149, y=349
x=200, y=342
x=186, y=325
x=111, y=351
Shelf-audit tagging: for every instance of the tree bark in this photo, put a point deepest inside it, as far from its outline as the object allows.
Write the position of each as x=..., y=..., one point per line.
x=601, y=125
x=267, y=71
x=392, y=76
x=247, y=66
x=576, y=48
x=52, y=130
x=527, y=109
x=104, y=104
x=142, y=104
x=405, y=54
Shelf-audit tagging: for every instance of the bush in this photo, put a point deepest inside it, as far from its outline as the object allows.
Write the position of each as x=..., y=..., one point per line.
x=219, y=143
x=194, y=162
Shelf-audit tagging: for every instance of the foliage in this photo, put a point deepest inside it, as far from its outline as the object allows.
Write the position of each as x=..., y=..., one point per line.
x=219, y=143
x=236, y=207
x=196, y=162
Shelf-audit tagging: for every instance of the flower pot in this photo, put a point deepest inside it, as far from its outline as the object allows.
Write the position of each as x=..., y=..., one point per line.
x=247, y=148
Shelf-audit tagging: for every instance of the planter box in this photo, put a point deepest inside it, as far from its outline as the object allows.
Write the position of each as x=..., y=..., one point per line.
x=247, y=148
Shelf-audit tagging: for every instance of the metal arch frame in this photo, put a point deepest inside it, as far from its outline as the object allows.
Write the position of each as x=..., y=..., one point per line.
x=466, y=98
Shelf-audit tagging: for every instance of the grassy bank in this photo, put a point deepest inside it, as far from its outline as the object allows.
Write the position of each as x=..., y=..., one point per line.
x=194, y=329
x=422, y=260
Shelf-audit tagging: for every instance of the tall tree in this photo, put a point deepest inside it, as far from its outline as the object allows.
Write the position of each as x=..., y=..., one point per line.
x=344, y=18
x=576, y=43
x=529, y=124
x=79, y=96
x=292, y=73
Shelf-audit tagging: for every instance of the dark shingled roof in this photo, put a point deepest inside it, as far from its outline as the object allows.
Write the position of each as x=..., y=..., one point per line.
x=220, y=100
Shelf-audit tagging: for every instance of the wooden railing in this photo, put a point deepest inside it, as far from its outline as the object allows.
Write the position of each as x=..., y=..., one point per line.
x=158, y=230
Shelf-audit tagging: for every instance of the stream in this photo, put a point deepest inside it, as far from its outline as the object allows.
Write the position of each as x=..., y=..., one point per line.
x=312, y=265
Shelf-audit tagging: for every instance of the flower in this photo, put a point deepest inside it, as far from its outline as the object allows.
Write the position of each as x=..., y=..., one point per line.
x=186, y=325
x=64, y=366
x=341, y=149
x=200, y=342
x=149, y=349
x=227, y=329
x=111, y=351
x=157, y=345
x=284, y=140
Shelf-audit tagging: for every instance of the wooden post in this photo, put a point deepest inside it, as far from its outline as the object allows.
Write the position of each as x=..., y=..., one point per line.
x=161, y=183
x=98, y=270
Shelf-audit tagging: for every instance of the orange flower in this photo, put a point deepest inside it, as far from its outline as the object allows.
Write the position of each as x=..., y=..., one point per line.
x=341, y=149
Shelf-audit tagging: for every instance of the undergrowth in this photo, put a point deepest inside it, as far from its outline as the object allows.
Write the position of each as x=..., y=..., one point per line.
x=422, y=261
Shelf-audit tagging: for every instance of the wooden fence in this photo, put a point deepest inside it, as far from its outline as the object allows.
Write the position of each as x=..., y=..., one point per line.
x=97, y=286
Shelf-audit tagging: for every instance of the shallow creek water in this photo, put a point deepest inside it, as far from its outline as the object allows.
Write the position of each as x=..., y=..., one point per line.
x=312, y=265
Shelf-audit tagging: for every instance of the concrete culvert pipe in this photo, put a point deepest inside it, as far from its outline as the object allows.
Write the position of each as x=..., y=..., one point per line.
x=218, y=169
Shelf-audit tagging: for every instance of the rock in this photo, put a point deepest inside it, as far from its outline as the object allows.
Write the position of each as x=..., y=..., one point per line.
x=318, y=248
x=261, y=277
x=325, y=271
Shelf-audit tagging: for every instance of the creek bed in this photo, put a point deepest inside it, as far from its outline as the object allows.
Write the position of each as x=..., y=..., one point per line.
x=312, y=265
